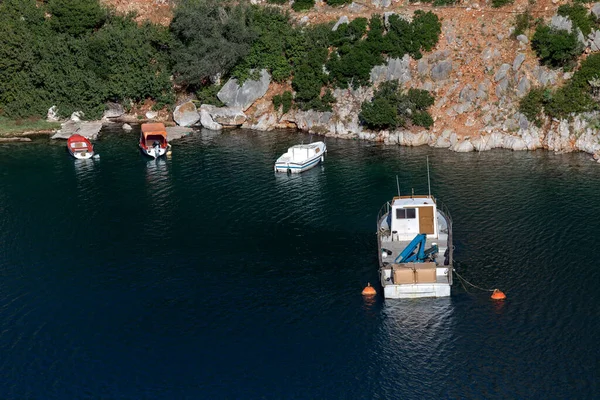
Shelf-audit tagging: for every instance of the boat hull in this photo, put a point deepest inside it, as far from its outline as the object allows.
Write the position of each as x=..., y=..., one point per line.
x=296, y=168
x=154, y=152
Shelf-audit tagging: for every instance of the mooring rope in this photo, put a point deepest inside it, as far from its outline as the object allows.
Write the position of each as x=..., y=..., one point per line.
x=469, y=283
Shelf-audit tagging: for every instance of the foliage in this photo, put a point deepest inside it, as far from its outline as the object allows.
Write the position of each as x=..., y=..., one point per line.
x=76, y=17
x=284, y=99
x=580, y=16
x=500, y=3
x=16, y=126
x=208, y=95
x=556, y=48
x=280, y=2
x=275, y=45
x=42, y=65
x=573, y=98
x=210, y=39
x=338, y=2
x=390, y=109
x=302, y=5
x=522, y=23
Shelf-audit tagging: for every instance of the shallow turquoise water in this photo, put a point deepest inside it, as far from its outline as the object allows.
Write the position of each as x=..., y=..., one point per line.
x=209, y=276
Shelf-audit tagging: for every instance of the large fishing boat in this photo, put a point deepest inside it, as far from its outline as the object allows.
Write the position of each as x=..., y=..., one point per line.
x=415, y=248
x=301, y=157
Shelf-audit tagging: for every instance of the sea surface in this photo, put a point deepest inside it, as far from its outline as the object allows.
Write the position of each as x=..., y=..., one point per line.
x=208, y=276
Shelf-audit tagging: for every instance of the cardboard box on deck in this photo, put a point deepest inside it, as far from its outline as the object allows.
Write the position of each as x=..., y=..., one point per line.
x=425, y=273
x=403, y=275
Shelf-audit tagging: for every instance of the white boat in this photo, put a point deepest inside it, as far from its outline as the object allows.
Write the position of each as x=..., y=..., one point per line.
x=415, y=248
x=80, y=147
x=301, y=157
x=153, y=140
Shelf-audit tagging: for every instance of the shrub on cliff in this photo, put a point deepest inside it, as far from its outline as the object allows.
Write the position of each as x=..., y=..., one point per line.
x=76, y=17
x=337, y=2
x=580, y=16
x=303, y=5
x=556, y=48
x=42, y=65
x=500, y=3
x=389, y=108
x=210, y=39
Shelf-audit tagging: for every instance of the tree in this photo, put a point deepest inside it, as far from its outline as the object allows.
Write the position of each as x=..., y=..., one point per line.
x=210, y=38
x=555, y=47
x=76, y=17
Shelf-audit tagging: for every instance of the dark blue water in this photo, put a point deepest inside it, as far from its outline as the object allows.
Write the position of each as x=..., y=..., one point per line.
x=208, y=276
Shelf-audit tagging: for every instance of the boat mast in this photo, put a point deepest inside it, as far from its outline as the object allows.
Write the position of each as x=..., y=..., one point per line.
x=398, y=185
x=428, y=180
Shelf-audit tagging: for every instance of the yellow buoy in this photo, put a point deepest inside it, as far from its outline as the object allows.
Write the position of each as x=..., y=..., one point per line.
x=498, y=295
x=369, y=290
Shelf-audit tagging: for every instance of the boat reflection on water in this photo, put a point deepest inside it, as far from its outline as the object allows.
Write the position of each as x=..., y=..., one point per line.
x=84, y=169
x=303, y=193
x=420, y=327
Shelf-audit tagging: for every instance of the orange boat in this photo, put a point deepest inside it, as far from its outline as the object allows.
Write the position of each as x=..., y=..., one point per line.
x=153, y=140
x=80, y=147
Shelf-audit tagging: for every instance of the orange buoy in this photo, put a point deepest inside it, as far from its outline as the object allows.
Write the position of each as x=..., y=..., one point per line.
x=498, y=295
x=369, y=290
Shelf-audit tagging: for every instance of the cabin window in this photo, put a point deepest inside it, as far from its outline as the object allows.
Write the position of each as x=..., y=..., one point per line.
x=406, y=213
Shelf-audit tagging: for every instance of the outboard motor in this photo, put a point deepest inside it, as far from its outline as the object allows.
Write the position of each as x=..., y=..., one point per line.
x=156, y=147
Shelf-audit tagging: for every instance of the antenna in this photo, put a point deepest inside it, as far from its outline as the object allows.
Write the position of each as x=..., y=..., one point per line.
x=398, y=185
x=428, y=180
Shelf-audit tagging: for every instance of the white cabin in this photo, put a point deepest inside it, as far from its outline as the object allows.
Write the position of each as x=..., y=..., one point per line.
x=411, y=215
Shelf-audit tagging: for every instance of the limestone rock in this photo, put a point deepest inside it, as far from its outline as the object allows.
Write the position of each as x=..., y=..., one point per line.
x=151, y=114
x=77, y=116
x=87, y=129
x=441, y=70
x=464, y=146
x=467, y=94
x=243, y=97
x=501, y=73
x=396, y=69
x=355, y=7
x=596, y=10
x=423, y=67
x=315, y=121
x=594, y=40
x=518, y=61
x=52, y=115
x=514, y=143
x=381, y=3
x=127, y=128
x=561, y=23
x=207, y=121
x=113, y=110
x=265, y=122
x=523, y=39
x=186, y=114
x=226, y=116
x=523, y=86
x=177, y=132
x=343, y=20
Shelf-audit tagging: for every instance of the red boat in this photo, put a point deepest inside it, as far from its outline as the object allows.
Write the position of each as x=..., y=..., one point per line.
x=80, y=147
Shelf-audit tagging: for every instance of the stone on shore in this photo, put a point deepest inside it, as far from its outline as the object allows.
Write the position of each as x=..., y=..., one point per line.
x=113, y=110
x=177, y=132
x=207, y=121
x=87, y=129
x=52, y=115
x=186, y=114
x=243, y=97
x=226, y=116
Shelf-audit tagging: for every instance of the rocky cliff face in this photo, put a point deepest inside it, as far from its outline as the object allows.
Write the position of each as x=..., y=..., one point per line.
x=477, y=73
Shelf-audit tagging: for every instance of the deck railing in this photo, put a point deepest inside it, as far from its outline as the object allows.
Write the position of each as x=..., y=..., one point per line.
x=446, y=213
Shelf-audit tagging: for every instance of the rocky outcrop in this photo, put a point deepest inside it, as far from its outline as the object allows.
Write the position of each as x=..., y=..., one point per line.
x=234, y=95
x=113, y=110
x=87, y=129
x=52, y=115
x=594, y=40
x=343, y=20
x=207, y=121
x=225, y=116
x=177, y=132
x=397, y=69
x=186, y=114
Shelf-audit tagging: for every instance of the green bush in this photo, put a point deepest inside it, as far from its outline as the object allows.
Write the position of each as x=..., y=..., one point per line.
x=500, y=3
x=556, y=48
x=522, y=23
x=390, y=109
x=42, y=64
x=302, y=5
x=210, y=39
x=76, y=17
x=280, y=2
x=208, y=95
x=337, y=2
x=531, y=105
x=285, y=99
x=580, y=16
